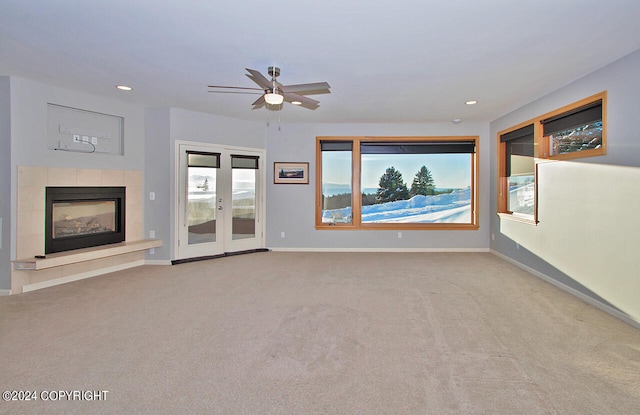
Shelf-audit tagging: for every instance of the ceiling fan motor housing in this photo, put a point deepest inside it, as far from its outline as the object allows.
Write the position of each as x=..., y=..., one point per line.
x=273, y=71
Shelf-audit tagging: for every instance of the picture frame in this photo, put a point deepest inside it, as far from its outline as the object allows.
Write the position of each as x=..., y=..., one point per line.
x=290, y=173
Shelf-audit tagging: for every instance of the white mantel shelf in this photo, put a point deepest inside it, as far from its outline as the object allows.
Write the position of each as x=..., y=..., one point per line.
x=86, y=254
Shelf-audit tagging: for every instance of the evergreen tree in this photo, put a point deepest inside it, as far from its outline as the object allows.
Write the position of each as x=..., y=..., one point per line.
x=423, y=183
x=391, y=187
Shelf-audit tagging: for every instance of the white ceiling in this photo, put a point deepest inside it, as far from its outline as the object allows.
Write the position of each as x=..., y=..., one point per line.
x=386, y=61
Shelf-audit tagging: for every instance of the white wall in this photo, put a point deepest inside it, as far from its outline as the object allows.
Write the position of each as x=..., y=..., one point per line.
x=587, y=237
x=291, y=208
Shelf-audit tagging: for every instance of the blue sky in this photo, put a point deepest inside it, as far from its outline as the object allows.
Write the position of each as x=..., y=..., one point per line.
x=448, y=170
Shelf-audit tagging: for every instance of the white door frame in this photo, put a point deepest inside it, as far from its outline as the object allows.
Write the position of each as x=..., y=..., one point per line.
x=225, y=239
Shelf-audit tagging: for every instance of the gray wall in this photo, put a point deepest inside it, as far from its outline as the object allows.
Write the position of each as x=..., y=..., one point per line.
x=158, y=178
x=27, y=143
x=5, y=183
x=587, y=237
x=291, y=208
x=29, y=128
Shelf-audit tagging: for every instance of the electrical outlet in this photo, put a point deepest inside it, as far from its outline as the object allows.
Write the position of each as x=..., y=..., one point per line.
x=152, y=234
x=94, y=140
x=399, y=235
x=152, y=251
x=76, y=138
x=152, y=195
x=282, y=235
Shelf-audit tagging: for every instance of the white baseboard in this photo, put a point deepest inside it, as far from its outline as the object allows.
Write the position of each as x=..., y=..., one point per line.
x=157, y=262
x=380, y=249
x=604, y=307
x=5, y=292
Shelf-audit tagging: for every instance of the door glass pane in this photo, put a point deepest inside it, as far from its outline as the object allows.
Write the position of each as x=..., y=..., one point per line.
x=201, y=204
x=244, y=203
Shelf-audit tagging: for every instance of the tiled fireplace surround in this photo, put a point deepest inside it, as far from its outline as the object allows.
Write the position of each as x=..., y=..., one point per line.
x=30, y=237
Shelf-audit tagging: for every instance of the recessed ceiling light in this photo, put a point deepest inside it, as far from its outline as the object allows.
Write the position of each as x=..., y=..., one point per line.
x=296, y=102
x=124, y=88
x=471, y=102
x=456, y=120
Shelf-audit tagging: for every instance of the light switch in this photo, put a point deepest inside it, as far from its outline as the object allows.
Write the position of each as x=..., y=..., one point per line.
x=152, y=196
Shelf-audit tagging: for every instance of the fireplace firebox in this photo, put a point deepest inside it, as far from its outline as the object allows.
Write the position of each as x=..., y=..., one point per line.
x=83, y=217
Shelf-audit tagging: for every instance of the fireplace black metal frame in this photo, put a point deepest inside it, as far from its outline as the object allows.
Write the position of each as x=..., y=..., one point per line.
x=78, y=193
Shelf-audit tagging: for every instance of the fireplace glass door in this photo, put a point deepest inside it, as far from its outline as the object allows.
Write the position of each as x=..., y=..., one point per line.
x=78, y=218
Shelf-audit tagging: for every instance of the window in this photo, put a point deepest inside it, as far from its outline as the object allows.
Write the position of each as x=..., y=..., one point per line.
x=574, y=131
x=396, y=182
x=517, y=190
x=336, y=191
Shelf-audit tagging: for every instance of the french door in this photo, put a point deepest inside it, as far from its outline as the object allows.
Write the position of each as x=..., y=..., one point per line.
x=220, y=200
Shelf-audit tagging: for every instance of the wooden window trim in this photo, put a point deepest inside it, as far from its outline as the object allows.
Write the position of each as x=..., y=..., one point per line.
x=503, y=180
x=602, y=96
x=541, y=153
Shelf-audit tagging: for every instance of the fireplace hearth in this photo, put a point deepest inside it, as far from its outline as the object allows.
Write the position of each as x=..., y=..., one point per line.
x=83, y=217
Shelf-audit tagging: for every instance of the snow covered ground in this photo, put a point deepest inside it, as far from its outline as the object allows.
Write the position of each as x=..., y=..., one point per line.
x=454, y=207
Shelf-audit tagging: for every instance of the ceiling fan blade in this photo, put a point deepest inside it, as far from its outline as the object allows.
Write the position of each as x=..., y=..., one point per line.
x=259, y=103
x=258, y=78
x=308, y=89
x=237, y=92
x=304, y=101
x=233, y=87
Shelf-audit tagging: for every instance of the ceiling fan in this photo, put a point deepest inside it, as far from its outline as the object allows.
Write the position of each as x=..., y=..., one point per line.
x=273, y=93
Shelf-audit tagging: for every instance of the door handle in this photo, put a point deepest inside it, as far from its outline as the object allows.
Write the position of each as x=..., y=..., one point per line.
x=219, y=207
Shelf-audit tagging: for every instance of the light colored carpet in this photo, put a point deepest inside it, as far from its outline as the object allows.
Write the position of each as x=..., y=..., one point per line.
x=319, y=333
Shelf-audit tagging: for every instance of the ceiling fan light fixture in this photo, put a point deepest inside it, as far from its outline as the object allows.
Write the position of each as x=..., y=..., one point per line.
x=272, y=97
x=296, y=102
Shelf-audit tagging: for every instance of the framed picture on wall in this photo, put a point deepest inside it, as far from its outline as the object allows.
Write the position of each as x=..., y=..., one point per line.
x=290, y=173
